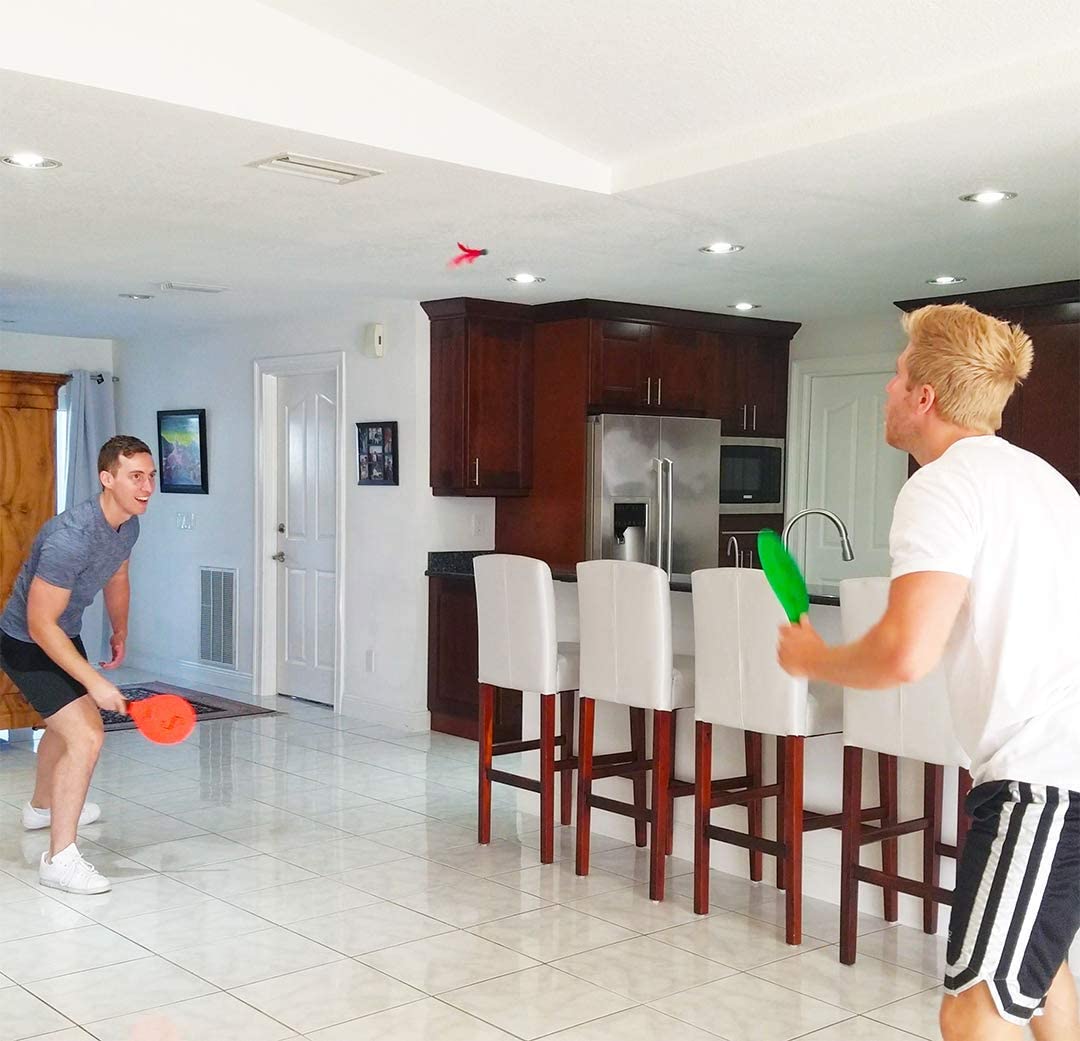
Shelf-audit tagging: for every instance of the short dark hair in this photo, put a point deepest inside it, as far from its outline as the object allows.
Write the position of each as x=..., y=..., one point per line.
x=121, y=445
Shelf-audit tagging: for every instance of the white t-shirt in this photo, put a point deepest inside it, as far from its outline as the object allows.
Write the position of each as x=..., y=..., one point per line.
x=1010, y=523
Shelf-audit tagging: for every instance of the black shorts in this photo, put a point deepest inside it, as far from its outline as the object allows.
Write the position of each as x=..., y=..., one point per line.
x=1016, y=908
x=39, y=679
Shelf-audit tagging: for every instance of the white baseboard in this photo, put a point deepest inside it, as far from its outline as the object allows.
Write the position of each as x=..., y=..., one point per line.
x=387, y=715
x=191, y=674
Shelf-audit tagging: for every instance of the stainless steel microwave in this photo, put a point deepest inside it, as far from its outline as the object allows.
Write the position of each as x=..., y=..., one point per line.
x=751, y=475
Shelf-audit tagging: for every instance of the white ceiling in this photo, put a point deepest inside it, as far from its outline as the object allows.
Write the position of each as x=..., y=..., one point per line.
x=815, y=155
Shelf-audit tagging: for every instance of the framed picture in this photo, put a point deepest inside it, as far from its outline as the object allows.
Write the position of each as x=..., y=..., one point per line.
x=377, y=453
x=182, y=451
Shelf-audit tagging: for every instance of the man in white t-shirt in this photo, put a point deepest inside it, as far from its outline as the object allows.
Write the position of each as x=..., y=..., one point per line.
x=985, y=548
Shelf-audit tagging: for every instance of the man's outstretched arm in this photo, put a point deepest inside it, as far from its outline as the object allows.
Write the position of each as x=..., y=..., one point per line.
x=902, y=647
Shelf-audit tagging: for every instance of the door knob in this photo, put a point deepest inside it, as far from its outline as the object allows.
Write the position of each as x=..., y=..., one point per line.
x=279, y=556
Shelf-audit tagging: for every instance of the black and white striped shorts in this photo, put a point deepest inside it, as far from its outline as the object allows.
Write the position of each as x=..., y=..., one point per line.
x=1016, y=907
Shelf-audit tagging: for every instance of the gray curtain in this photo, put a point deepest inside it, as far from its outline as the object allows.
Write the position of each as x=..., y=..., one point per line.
x=91, y=422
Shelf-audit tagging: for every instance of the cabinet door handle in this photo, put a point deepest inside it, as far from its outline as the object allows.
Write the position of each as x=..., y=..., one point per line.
x=648, y=391
x=744, y=417
x=476, y=471
x=754, y=417
x=659, y=387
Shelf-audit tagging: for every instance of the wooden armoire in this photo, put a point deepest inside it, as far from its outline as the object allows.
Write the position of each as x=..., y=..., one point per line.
x=27, y=493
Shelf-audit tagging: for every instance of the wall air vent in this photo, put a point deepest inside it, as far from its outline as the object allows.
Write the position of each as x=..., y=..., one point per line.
x=319, y=169
x=190, y=287
x=217, y=616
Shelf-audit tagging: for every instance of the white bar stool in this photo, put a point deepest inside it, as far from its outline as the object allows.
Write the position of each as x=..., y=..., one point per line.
x=740, y=685
x=627, y=659
x=519, y=649
x=911, y=721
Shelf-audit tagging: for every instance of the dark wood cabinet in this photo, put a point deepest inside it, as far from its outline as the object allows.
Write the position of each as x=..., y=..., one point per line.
x=680, y=361
x=1047, y=408
x=453, y=693
x=738, y=537
x=620, y=365
x=481, y=400
x=747, y=386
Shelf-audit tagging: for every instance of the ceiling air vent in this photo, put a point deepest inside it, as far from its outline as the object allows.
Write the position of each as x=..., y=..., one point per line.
x=190, y=287
x=319, y=169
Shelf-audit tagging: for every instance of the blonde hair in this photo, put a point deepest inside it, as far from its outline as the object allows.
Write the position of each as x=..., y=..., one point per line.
x=972, y=361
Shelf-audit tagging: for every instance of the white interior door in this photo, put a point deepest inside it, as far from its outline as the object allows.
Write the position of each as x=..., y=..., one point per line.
x=851, y=471
x=307, y=537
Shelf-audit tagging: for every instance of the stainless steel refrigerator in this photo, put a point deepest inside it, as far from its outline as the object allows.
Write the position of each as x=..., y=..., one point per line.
x=654, y=491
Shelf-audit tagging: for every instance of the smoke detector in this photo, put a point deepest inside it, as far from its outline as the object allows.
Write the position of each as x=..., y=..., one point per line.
x=319, y=169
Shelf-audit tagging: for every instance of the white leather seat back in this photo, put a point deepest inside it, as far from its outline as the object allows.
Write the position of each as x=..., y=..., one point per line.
x=911, y=720
x=566, y=612
x=516, y=630
x=738, y=682
x=625, y=619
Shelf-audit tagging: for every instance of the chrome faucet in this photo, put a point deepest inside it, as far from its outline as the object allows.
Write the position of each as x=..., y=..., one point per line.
x=733, y=544
x=845, y=542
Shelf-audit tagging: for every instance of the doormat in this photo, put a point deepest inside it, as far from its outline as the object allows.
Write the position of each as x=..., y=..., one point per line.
x=207, y=706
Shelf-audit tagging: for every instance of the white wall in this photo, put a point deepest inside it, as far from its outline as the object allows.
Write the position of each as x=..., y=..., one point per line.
x=858, y=334
x=30, y=352
x=388, y=530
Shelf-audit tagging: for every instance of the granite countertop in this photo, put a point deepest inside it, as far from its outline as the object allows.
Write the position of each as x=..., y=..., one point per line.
x=459, y=564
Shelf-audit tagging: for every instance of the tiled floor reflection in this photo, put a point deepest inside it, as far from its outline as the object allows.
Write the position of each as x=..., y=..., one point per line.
x=306, y=876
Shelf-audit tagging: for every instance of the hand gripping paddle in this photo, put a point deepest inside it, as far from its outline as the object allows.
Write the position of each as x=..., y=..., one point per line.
x=783, y=574
x=165, y=719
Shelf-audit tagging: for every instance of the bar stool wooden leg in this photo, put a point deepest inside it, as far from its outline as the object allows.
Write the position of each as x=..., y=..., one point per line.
x=793, y=836
x=547, y=778
x=566, y=775
x=963, y=786
x=486, y=738
x=586, y=717
x=637, y=746
x=702, y=808
x=661, y=780
x=933, y=783
x=752, y=745
x=671, y=798
x=890, y=809
x=780, y=775
x=850, y=825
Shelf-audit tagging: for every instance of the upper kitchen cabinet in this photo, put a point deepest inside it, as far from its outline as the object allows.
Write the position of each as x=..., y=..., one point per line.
x=642, y=367
x=1043, y=414
x=481, y=397
x=620, y=365
x=748, y=384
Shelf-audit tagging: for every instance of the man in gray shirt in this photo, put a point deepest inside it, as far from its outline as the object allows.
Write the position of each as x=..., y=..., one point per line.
x=75, y=555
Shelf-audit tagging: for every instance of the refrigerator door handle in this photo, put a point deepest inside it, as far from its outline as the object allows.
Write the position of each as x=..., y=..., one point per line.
x=659, y=512
x=671, y=510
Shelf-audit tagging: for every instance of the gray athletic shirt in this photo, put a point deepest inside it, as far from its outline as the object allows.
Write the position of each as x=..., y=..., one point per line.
x=77, y=550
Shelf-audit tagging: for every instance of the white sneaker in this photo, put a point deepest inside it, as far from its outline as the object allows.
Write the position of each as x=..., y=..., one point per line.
x=69, y=872
x=34, y=819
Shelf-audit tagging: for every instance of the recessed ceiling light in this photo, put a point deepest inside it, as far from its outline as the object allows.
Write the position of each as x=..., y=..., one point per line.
x=524, y=278
x=30, y=161
x=136, y=296
x=721, y=247
x=988, y=196
x=945, y=280
x=744, y=305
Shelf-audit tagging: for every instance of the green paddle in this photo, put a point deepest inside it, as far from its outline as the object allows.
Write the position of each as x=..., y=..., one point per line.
x=783, y=574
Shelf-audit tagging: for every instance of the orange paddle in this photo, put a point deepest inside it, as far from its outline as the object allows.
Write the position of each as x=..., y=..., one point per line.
x=165, y=719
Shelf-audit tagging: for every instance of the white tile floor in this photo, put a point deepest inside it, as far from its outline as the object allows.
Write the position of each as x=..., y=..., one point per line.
x=310, y=876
